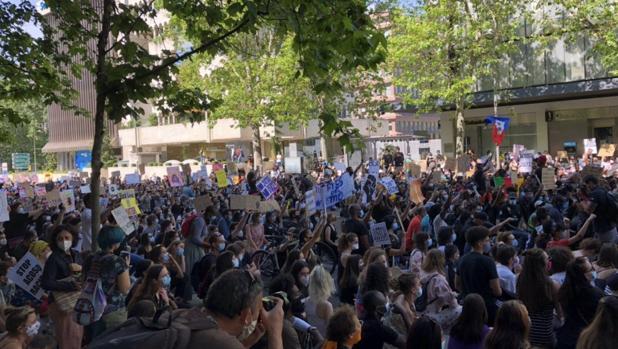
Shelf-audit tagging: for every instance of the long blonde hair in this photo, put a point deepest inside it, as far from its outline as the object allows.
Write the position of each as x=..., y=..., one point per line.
x=321, y=284
x=434, y=261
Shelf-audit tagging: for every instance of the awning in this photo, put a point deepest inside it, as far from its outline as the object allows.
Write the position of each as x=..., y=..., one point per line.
x=57, y=147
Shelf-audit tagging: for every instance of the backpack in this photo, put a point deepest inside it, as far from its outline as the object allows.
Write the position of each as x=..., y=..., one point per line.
x=421, y=303
x=173, y=331
x=92, y=302
x=185, y=227
x=612, y=201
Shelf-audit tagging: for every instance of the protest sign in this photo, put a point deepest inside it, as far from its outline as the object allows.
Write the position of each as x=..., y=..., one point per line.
x=202, y=203
x=244, y=202
x=463, y=163
x=423, y=165
x=373, y=168
x=293, y=165
x=525, y=164
x=590, y=145
x=113, y=189
x=127, y=193
x=268, y=165
x=547, y=178
x=53, y=198
x=389, y=184
x=562, y=154
x=518, y=149
x=122, y=219
x=132, y=178
x=269, y=206
x=221, y=178
x=415, y=170
x=4, y=207
x=310, y=201
x=174, y=177
x=68, y=200
x=331, y=193
x=267, y=187
x=498, y=181
x=85, y=189
x=416, y=194
x=607, y=150
x=379, y=234
x=40, y=191
x=115, y=174
x=27, y=275
x=232, y=169
x=130, y=204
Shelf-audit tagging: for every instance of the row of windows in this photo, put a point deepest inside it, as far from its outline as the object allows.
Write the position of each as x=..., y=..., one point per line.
x=411, y=126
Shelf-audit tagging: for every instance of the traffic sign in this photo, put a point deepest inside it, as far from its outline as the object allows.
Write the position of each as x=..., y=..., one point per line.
x=21, y=161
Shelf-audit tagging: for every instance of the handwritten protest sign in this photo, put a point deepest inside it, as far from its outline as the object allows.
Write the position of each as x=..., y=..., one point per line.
x=68, y=200
x=85, y=189
x=53, y=198
x=607, y=150
x=390, y=185
x=269, y=206
x=293, y=165
x=221, y=178
x=132, y=178
x=174, y=176
x=547, y=178
x=331, y=193
x=590, y=145
x=244, y=202
x=379, y=234
x=267, y=187
x=113, y=189
x=27, y=275
x=127, y=193
x=373, y=168
x=310, y=201
x=115, y=174
x=525, y=165
x=416, y=194
x=4, y=207
x=130, y=204
x=122, y=219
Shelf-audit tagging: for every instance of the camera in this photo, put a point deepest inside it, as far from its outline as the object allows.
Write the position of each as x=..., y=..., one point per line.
x=270, y=302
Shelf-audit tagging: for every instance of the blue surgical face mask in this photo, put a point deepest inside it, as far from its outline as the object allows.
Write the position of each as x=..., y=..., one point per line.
x=236, y=262
x=429, y=242
x=166, y=280
x=361, y=214
x=453, y=237
x=395, y=226
x=487, y=247
x=180, y=252
x=515, y=243
x=165, y=258
x=221, y=246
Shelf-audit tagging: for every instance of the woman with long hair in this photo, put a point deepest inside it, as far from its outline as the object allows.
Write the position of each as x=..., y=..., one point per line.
x=154, y=288
x=470, y=329
x=579, y=300
x=539, y=294
x=348, y=283
x=442, y=303
x=402, y=314
x=601, y=333
x=606, y=265
x=424, y=334
x=21, y=326
x=317, y=306
x=417, y=256
x=345, y=245
x=511, y=328
x=300, y=272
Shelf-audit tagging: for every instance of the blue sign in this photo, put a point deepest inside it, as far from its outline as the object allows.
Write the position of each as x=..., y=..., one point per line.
x=83, y=159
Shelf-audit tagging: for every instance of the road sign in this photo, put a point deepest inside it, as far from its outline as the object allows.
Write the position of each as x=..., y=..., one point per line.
x=21, y=161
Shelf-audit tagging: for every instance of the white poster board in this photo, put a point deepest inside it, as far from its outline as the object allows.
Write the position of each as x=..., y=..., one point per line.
x=525, y=165
x=85, y=189
x=122, y=219
x=292, y=150
x=379, y=234
x=293, y=165
x=4, y=207
x=389, y=184
x=132, y=178
x=590, y=145
x=374, y=168
x=27, y=275
x=68, y=200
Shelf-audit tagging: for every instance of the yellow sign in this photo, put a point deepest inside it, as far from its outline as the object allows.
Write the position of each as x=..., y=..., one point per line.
x=130, y=204
x=221, y=178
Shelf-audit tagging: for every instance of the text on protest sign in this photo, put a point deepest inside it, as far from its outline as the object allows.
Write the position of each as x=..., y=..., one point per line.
x=27, y=275
x=390, y=185
x=590, y=145
x=379, y=234
x=547, y=179
x=221, y=178
x=267, y=187
x=122, y=219
x=132, y=178
x=331, y=193
x=310, y=201
x=374, y=168
x=525, y=165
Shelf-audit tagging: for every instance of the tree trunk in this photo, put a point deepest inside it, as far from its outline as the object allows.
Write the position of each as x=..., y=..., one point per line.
x=459, y=128
x=256, y=142
x=99, y=120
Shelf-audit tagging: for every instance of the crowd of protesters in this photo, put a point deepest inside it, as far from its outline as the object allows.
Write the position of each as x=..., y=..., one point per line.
x=482, y=257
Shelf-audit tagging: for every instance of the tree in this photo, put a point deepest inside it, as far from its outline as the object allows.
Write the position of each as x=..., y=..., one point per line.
x=441, y=49
x=96, y=36
x=28, y=135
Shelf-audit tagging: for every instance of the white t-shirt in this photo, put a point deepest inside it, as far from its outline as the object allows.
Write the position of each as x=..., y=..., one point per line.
x=508, y=280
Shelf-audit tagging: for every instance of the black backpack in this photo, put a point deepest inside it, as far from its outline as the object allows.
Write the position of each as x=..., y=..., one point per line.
x=421, y=302
x=167, y=330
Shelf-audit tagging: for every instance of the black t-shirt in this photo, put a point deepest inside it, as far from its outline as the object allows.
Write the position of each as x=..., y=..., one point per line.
x=375, y=334
x=475, y=271
x=359, y=228
x=602, y=223
x=399, y=159
x=17, y=224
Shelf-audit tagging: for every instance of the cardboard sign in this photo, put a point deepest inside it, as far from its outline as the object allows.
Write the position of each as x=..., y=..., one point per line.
x=423, y=165
x=186, y=169
x=132, y=178
x=115, y=174
x=68, y=200
x=607, y=150
x=373, y=168
x=4, y=207
x=269, y=206
x=590, y=145
x=130, y=204
x=267, y=187
x=525, y=165
x=221, y=178
x=113, y=190
x=416, y=194
x=27, y=275
x=310, y=201
x=562, y=154
x=202, y=203
x=547, y=178
x=174, y=177
x=390, y=185
x=245, y=202
x=85, y=189
x=122, y=219
x=379, y=234
x=268, y=165
x=53, y=198
x=83, y=175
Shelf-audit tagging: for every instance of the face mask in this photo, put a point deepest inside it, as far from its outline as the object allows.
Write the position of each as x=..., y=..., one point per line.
x=65, y=245
x=180, y=252
x=395, y=226
x=361, y=214
x=3, y=242
x=240, y=234
x=166, y=280
x=247, y=330
x=429, y=242
x=515, y=243
x=21, y=210
x=241, y=256
x=165, y=258
x=419, y=292
x=304, y=280
x=453, y=237
x=594, y=275
x=356, y=337
x=235, y=262
x=33, y=329
x=221, y=246
x=486, y=247
x=355, y=246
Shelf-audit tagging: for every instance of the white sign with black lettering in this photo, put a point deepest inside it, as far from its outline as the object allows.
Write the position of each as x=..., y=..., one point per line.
x=379, y=234
x=4, y=207
x=122, y=219
x=27, y=275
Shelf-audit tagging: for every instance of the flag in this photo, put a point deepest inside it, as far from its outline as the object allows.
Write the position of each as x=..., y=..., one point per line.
x=501, y=124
